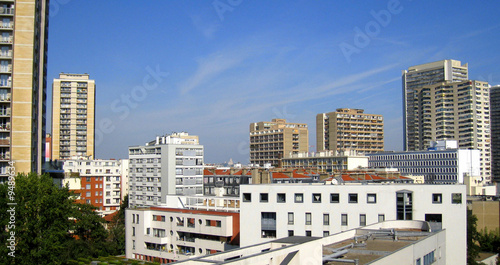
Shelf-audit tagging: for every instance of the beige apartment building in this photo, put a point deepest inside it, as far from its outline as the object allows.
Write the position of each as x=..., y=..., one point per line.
x=23, y=60
x=453, y=111
x=73, y=116
x=271, y=141
x=350, y=129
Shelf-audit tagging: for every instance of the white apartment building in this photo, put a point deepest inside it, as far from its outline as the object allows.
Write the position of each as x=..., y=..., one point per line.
x=281, y=210
x=445, y=166
x=170, y=164
x=166, y=235
x=99, y=182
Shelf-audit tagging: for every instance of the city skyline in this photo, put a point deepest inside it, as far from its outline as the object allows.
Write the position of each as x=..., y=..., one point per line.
x=213, y=68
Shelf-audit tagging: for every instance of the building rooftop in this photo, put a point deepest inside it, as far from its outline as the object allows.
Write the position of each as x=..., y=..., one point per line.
x=370, y=245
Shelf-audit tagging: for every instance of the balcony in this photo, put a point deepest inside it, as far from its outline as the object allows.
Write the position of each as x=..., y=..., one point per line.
x=6, y=11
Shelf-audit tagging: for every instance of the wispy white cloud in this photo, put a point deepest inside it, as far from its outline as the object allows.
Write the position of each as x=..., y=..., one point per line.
x=206, y=28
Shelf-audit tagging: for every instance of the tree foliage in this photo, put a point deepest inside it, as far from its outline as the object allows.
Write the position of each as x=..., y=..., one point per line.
x=50, y=227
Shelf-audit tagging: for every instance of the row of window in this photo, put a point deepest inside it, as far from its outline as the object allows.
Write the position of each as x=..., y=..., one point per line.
x=326, y=219
x=316, y=197
x=456, y=198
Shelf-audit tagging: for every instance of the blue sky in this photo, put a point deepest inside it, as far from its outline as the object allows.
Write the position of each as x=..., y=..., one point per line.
x=212, y=67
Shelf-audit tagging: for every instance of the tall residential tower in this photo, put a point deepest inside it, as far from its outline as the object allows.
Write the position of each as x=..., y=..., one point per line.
x=350, y=129
x=495, y=131
x=73, y=116
x=23, y=64
x=441, y=104
x=423, y=75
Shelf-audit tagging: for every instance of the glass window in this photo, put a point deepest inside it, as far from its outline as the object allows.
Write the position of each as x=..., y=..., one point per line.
x=290, y=232
x=299, y=197
x=353, y=198
x=264, y=197
x=381, y=218
x=344, y=219
x=308, y=233
x=308, y=219
x=371, y=198
x=456, y=198
x=281, y=197
x=316, y=197
x=334, y=198
x=362, y=220
x=290, y=218
x=437, y=198
x=326, y=219
x=247, y=197
x=326, y=233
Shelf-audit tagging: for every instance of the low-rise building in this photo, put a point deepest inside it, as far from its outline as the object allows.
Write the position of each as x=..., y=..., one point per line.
x=97, y=182
x=166, y=235
x=326, y=161
x=390, y=242
x=447, y=165
x=317, y=210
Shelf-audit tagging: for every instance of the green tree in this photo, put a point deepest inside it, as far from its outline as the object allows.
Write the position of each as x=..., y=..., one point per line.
x=472, y=239
x=42, y=212
x=50, y=227
x=117, y=230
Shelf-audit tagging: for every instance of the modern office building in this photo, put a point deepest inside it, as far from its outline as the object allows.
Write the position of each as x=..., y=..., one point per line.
x=271, y=141
x=275, y=211
x=326, y=161
x=23, y=60
x=414, y=79
x=495, y=131
x=100, y=182
x=350, y=129
x=445, y=164
x=170, y=164
x=390, y=242
x=453, y=111
x=73, y=116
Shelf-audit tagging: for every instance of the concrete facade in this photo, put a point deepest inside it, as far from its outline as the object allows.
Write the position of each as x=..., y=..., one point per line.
x=73, y=116
x=495, y=132
x=441, y=166
x=171, y=234
x=171, y=164
x=350, y=129
x=271, y=141
x=279, y=210
x=23, y=90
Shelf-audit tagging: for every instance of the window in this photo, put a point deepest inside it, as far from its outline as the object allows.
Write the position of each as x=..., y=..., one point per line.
x=87, y=186
x=456, y=198
x=290, y=232
x=148, y=230
x=264, y=197
x=247, y=197
x=308, y=233
x=404, y=205
x=308, y=218
x=362, y=220
x=437, y=198
x=133, y=231
x=133, y=244
x=371, y=198
x=290, y=218
x=418, y=262
x=344, y=219
x=381, y=218
x=316, y=197
x=268, y=224
x=326, y=219
x=334, y=198
x=281, y=197
x=299, y=197
x=326, y=233
x=353, y=198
